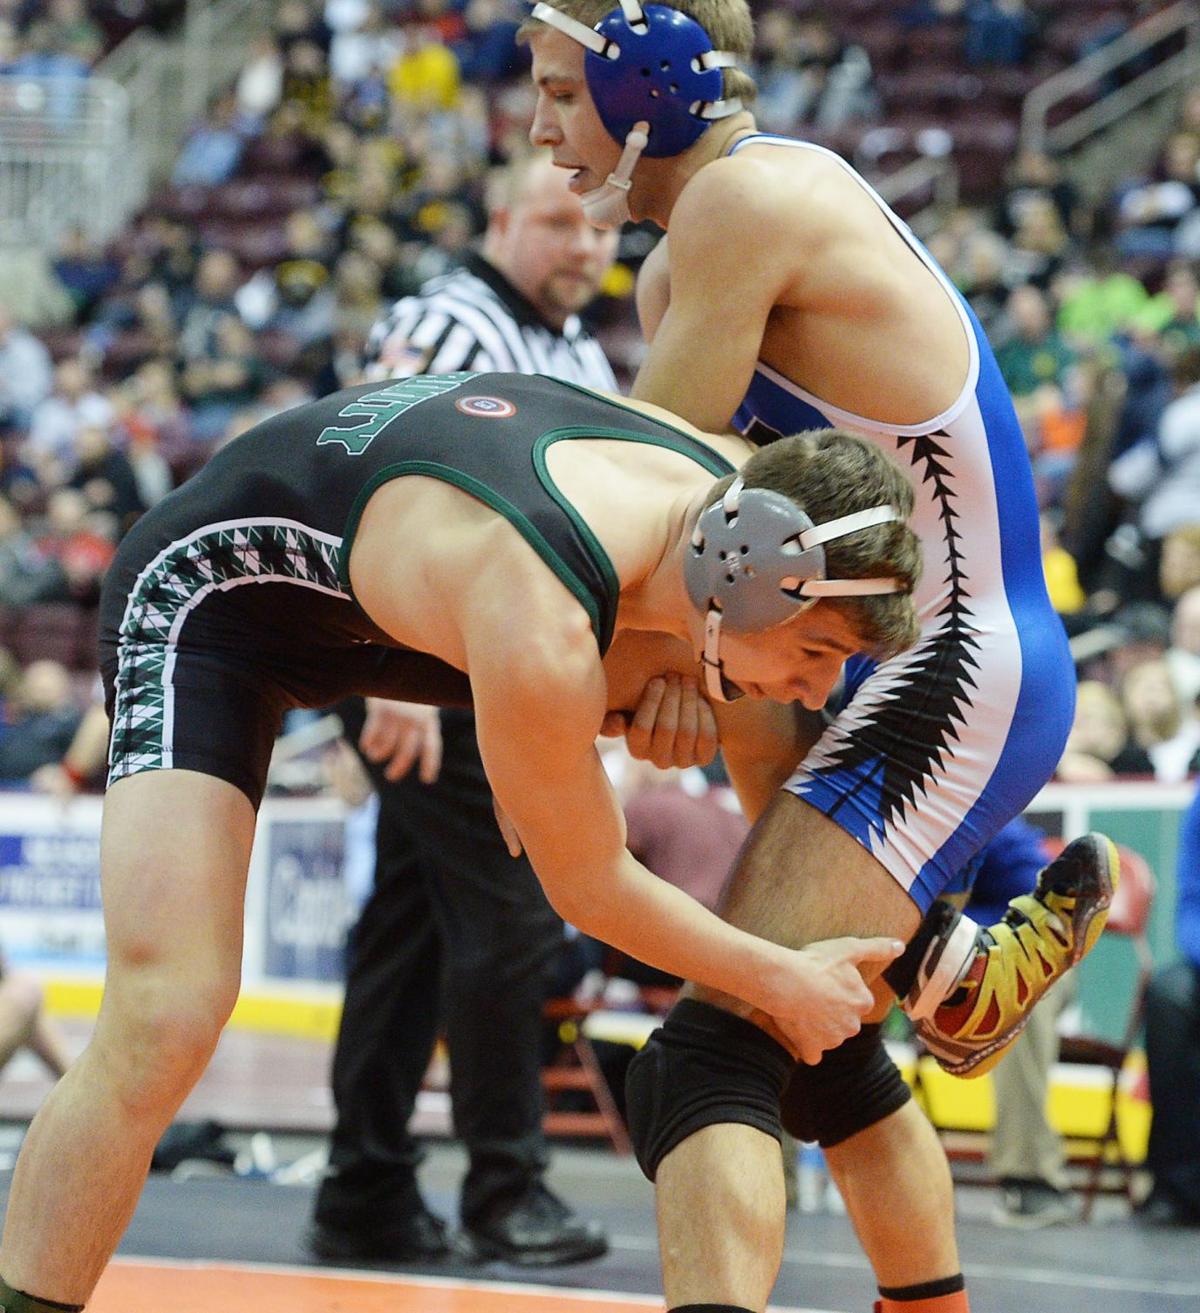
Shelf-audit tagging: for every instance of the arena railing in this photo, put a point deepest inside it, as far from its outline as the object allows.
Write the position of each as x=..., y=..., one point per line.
x=62, y=145
x=86, y=152
x=170, y=80
x=931, y=182
x=1123, y=61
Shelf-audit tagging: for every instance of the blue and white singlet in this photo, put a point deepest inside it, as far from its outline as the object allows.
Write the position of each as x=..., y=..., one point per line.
x=939, y=747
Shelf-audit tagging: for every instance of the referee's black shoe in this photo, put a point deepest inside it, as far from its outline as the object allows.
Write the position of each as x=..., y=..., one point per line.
x=416, y=1237
x=536, y=1229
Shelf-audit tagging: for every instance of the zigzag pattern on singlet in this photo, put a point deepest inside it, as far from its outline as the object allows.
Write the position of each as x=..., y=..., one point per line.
x=930, y=691
x=170, y=587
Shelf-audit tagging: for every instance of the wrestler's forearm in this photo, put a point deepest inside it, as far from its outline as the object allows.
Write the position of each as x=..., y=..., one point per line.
x=662, y=926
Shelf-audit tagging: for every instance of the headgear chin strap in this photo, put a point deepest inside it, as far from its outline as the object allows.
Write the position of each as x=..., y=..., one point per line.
x=607, y=206
x=656, y=82
x=757, y=560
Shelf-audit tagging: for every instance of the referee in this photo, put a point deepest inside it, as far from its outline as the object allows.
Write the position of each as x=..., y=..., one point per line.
x=457, y=934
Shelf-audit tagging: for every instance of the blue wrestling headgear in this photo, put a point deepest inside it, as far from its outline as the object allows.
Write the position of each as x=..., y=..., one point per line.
x=757, y=560
x=656, y=82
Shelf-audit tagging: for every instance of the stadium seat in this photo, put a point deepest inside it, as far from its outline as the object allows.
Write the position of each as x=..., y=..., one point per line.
x=54, y=631
x=1128, y=920
x=255, y=243
x=939, y=46
x=272, y=154
x=573, y=1076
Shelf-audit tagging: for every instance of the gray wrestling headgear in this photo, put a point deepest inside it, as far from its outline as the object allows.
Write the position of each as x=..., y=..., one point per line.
x=757, y=560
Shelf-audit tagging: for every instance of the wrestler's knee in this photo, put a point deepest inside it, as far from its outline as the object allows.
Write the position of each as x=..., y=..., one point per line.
x=702, y=1067
x=852, y=1087
x=157, y=1029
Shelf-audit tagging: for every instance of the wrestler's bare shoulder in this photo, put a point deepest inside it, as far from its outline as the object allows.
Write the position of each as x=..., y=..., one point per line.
x=428, y=557
x=797, y=187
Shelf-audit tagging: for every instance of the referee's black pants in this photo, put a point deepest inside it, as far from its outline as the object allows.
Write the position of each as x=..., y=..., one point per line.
x=457, y=936
x=1173, y=1059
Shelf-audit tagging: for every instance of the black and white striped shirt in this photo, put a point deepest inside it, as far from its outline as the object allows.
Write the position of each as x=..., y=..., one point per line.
x=474, y=319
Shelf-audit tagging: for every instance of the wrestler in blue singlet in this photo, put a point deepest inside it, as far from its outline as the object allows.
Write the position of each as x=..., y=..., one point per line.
x=938, y=748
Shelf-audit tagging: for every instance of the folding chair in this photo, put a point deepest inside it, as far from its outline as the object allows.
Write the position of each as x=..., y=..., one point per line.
x=575, y=1070
x=1128, y=918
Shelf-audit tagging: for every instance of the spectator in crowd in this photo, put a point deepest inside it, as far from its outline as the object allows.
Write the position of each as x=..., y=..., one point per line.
x=26, y=372
x=1183, y=656
x=81, y=540
x=105, y=476
x=1035, y=177
x=1158, y=720
x=1040, y=247
x=1173, y=1054
x=86, y=270
x=1033, y=356
x=1145, y=635
x=226, y=378
x=1099, y=746
x=784, y=90
x=259, y=87
x=916, y=14
x=155, y=424
x=212, y=148
x=1041, y=372
x=24, y=1024
x=308, y=96
x=75, y=403
x=838, y=77
x=1179, y=565
x=998, y=32
x=209, y=300
x=983, y=274
x=143, y=313
x=1062, y=575
x=426, y=75
x=1149, y=212
x=1096, y=297
x=168, y=255
x=363, y=52
x=49, y=55
x=26, y=573
x=299, y=21
x=1170, y=317
x=40, y=721
x=10, y=45
x=73, y=32
x=81, y=767
x=294, y=296
x=487, y=51
x=1160, y=475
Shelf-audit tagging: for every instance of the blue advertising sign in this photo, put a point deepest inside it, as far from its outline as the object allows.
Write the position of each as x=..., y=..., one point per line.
x=307, y=908
x=50, y=872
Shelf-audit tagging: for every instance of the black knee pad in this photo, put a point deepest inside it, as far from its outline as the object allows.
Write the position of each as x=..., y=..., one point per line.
x=703, y=1066
x=852, y=1087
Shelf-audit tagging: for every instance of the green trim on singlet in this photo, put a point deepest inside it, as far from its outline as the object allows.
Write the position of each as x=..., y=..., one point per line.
x=513, y=514
x=712, y=461
x=652, y=419
x=718, y=465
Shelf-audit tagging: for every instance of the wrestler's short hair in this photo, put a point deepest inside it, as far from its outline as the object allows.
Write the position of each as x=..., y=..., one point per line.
x=830, y=473
x=728, y=23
